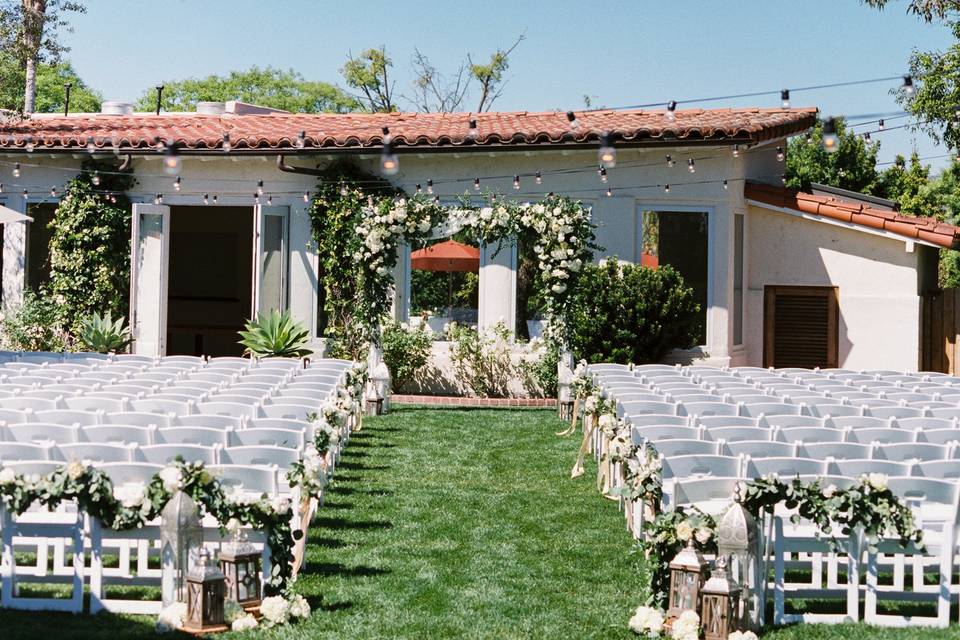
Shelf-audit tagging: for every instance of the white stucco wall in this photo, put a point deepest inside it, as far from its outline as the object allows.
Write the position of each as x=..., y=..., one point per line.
x=877, y=279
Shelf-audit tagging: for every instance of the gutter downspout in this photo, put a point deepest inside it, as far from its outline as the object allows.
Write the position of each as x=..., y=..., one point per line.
x=283, y=166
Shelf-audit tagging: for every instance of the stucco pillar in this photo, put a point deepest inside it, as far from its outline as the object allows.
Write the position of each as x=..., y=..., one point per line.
x=303, y=285
x=498, y=285
x=720, y=255
x=400, y=307
x=14, y=256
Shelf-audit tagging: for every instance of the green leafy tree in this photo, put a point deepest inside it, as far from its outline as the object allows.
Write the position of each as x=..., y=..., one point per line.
x=928, y=10
x=50, y=91
x=368, y=74
x=853, y=166
x=909, y=185
x=936, y=92
x=268, y=87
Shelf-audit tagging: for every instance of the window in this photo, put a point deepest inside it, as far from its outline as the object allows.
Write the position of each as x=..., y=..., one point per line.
x=738, y=279
x=679, y=239
x=800, y=327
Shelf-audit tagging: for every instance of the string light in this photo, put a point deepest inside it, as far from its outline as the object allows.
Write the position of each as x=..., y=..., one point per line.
x=691, y=166
x=343, y=189
x=780, y=154
x=95, y=179
x=725, y=185
x=389, y=163
x=603, y=174
x=430, y=186
x=16, y=170
x=206, y=198
x=908, y=85
x=830, y=140
x=867, y=137
x=306, y=196
x=158, y=199
x=259, y=187
x=783, y=179
x=436, y=199
x=670, y=161
x=735, y=151
x=607, y=154
x=666, y=188
x=91, y=145
x=53, y=192
x=176, y=184
x=572, y=118
x=538, y=177
x=516, y=181
x=270, y=201
x=881, y=124
x=29, y=146
x=214, y=198
x=225, y=145
x=671, y=109
x=25, y=194
x=301, y=140
x=158, y=143
x=171, y=160
x=809, y=138
x=476, y=184
x=609, y=192
x=419, y=190
x=785, y=98
x=1, y=187
x=113, y=199
x=256, y=198
x=472, y=131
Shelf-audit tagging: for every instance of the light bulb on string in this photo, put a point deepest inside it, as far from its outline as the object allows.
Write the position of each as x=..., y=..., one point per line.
x=53, y=192
x=472, y=131
x=214, y=198
x=666, y=188
x=206, y=198
x=436, y=199
x=735, y=151
x=476, y=184
x=809, y=138
x=672, y=109
x=783, y=179
x=691, y=166
x=26, y=194
x=830, y=140
x=259, y=187
x=908, y=85
x=785, y=98
x=725, y=185
x=171, y=159
x=225, y=145
x=115, y=144
x=1, y=187
x=256, y=198
x=493, y=197
x=29, y=146
x=177, y=183
x=419, y=190
x=607, y=154
x=780, y=155
x=306, y=196
x=158, y=199
x=301, y=140
x=343, y=189
x=95, y=179
x=158, y=143
x=572, y=119
x=538, y=177
x=91, y=145
x=609, y=192
x=389, y=163
x=16, y=170
x=270, y=201
x=430, y=186
x=670, y=161
x=881, y=124
x=113, y=199
x=516, y=181
x=603, y=174
x=867, y=137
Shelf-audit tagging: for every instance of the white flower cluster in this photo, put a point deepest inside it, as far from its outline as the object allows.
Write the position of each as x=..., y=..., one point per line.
x=644, y=465
x=647, y=621
x=742, y=635
x=685, y=531
x=7, y=475
x=171, y=618
x=131, y=495
x=238, y=619
x=278, y=610
x=686, y=626
x=876, y=481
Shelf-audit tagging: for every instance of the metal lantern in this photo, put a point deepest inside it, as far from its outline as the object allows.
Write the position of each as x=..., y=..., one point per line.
x=720, y=603
x=380, y=378
x=688, y=569
x=374, y=401
x=181, y=539
x=564, y=394
x=205, y=595
x=738, y=537
x=240, y=563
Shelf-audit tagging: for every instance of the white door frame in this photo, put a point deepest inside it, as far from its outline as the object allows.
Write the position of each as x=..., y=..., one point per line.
x=260, y=215
x=148, y=303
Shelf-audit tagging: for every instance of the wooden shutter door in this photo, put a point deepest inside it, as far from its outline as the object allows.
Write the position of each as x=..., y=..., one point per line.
x=800, y=327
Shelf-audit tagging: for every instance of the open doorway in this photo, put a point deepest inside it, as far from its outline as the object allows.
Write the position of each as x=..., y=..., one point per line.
x=211, y=258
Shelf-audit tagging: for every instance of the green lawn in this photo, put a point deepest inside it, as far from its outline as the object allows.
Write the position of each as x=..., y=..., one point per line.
x=457, y=523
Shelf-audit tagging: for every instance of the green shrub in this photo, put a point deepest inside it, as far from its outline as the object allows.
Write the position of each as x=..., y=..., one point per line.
x=34, y=326
x=103, y=334
x=539, y=368
x=626, y=313
x=482, y=361
x=275, y=335
x=406, y=350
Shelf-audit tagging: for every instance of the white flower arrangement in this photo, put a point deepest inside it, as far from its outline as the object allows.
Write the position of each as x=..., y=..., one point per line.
x=171, y=477
x=742, y=635
x=171, y=618
x=299, y=607
x=275, y=611
x=244, y=622
x=647, y=621
x=131, y=495
x=7, y=475
x=686, y=627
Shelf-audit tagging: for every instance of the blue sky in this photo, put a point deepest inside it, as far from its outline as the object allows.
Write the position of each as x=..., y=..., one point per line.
x=620, y=53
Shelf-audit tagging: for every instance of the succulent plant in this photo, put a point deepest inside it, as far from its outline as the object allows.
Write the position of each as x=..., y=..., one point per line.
x=275, y=335
x=103, y=334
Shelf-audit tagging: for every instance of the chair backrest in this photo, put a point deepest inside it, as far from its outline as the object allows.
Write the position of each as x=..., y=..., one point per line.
x=856, y=468
x=737, y=434
x=686, y=399
x=927, y=423
x=318, y=378
x=119, y=433
x=658, y=419
x=246, y=409
x=139, y=418
x=873, y=403
x=219, y=375
x=644, y=408
x=286, y=438
x=280, y=423
x=65, y=416
x=833, y=410
x=193, y=435
x=231, y=363
x=40, y=432
x=908, y=396
x=686, y=447
x=726, y=421
x=937, y=469
x=239, y=399
x=197, y=361
x=785, y=467
x=786, y=422
x=271, y=379
x=130, y=472
x=232, y=394
x=810, y=434
x=858, y=422
x=130, y=358
x=208, y=421
x=751, y=398
x=881, y=436
x=700, y=492
x=12, y=451
x=33, y=467
x=13, y=416
x=252, y=478
x=895, y=412
x=182, y=393
x=836, y=450
x=938, y=436
x=712, y=408
x=622, y=398
x=758, y=448
x=653, y=433
x=287, y=411
x=281, y=457
x=86, y=403
x=770, y=409
x=699, y=466
x=906, y=451
x=167, y=453
x=935, y=500
x=939, y=413
x=96, y=452
x=163, y=407
x=34, y=404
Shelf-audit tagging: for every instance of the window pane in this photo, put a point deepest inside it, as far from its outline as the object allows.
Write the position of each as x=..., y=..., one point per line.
x=271, y=283
x=679, y=239
x=738, y=279
x=38, y=243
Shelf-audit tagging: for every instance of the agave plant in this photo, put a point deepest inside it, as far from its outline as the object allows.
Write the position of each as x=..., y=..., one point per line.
x=103, y=334
x=275, y=335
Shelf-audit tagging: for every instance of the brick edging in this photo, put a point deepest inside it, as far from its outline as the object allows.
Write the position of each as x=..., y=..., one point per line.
x=458, y=401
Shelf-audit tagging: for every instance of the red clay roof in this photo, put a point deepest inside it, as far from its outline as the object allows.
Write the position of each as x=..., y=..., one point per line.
x=925, y=229
x=359, y=130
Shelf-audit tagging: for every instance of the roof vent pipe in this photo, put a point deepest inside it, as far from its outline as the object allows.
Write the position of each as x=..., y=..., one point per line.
x=116, y=108
x=211, y=108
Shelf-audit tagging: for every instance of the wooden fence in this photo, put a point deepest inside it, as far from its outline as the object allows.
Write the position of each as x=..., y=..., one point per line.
x=940, y=331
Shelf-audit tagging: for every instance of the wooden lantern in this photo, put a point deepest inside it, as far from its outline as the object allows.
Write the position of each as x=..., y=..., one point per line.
x=720, y=603
x=240, y=564
x=688, y=570
x=206, y=590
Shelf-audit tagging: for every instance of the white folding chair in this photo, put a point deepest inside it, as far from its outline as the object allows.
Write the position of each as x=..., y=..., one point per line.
x=657, y=419
x=32, y=404
x=287, y=411
x=758, y=448
x=655, y=433
x=835, y=451
x=737, y=434
x=139, y=418
x=910, y=451
x=688, y=467
x=710, y=422
x=131, y=472
x=164, y=454
x=208, y=421
x=119, y=434
x=765, y=409
x=810, y=435
x=286, y=438
x=66, y=416
x=936, y=469
x=686, y=447
x=254, y=479
x=17, y=451
x=896, y=412
x=233, y=409
x=784, y=467
x=204, y=436
x=715, y=408
x=96, y=452
x=711, y=495
x=86, y=403
x=42, y=432
x=883, y=436
x=163, y=407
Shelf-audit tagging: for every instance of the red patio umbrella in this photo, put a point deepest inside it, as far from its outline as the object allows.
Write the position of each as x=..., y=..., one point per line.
x=449, y=256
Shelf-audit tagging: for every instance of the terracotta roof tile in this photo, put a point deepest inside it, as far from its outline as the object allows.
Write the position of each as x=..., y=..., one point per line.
x=357, y=130
x=926, y=229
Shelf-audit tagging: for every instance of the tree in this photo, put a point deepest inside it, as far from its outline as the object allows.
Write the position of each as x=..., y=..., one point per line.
x=433, y=91
x=268, y=87
x=926, y=9
x=28, y=33
x=490, y=76
x=368, y=74
x=50, y=90
x=936, y=96
x=909, y=185
x=853, y=166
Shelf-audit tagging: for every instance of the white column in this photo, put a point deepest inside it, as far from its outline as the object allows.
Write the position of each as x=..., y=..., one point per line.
x=303, y=270
x=14, y=256
x=720, y=294
x=400, y=307
x=498, y=285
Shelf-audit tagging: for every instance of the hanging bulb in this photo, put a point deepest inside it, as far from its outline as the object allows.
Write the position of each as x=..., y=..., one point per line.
x=389, y=163
x=671, y=110
x=907, y=85
x=16, y=170
x=256, y=198
x=493, y=197
x=785, y=98
x=306, y=196
x=95, y=179
x=115, y=144
x=259, y=187
x=881, y=125
x=780, y=154
x=113, y=199
x=436, y=199
x=607, y=154
x=867, y=137
x=572, y=118
x=343, y=189
x=809, y=137
x=214, y=198
x=91, y=145
x=53, y=192
x=301, y=140
x=176, y=184
x=537, y=177
x=387, y=136
x=29, y=146
x=226, y=146
x=158, y=199
x=609, y=192
x=691, y=166
x=666, y=188
x=603, y=174
x=206, y=198
x=430, y=186
x=516, y=181
x=472, y=131
x=830, y=140
x=725, y=185
x=270, y=201
x=1, y=187
x=783, y=179
x=735, y=151
x=171, y=160
x=158, y=143
x=670, y=161
x=419, y=190
x=476, y=184
x=25, y=194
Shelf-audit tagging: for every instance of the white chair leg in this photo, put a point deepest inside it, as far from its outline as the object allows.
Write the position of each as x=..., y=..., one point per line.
x=96, y=565
x=853, y=578
x=870, y=596
x=779, y=569
x=8, y=567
